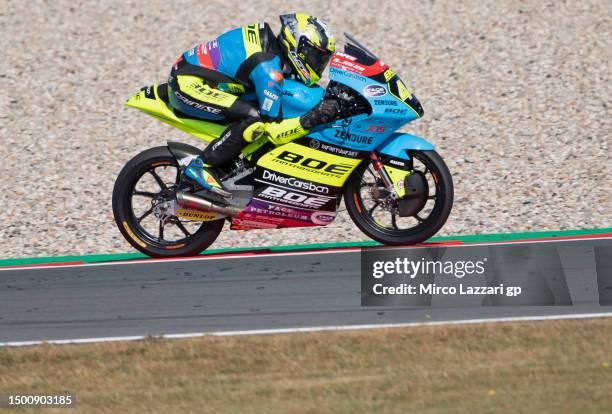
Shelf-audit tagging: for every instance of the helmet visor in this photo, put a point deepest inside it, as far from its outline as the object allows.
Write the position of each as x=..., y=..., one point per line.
x=313, y=56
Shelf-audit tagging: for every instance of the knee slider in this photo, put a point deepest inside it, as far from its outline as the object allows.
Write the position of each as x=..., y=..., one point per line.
x=253, y=131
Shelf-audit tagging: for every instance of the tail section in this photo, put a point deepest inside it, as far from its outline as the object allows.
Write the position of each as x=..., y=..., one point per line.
x=153, y=100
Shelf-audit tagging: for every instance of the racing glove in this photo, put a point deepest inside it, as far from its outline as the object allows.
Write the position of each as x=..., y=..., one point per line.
x=323, y=113
x=253, y=131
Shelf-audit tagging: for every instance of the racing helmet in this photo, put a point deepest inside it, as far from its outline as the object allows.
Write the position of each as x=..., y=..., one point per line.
x=307, y=44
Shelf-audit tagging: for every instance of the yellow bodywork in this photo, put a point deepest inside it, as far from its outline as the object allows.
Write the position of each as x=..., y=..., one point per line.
x=204, y=130
x=300, y=161
x=397, y=176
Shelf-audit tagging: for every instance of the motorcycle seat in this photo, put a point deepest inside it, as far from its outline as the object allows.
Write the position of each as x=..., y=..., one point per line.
x=162, y=92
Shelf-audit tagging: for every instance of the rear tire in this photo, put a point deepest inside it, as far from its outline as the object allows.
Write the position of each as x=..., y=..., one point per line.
x=427, y=227
x=129, y=225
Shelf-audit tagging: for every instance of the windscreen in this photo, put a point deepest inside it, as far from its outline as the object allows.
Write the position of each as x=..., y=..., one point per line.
x=355, y=48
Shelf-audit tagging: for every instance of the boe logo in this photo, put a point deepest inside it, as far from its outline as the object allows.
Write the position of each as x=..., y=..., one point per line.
x=294, y=198
x=314, y=164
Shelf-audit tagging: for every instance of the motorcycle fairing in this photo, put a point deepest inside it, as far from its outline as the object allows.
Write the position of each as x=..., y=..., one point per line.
x=298, y=185
x=391, y=102
x=265, y=214
x=364, y=67
x=320, y=163
x=398, y=143
x=305, y=159
x=281, y=201
x=149, y=101
x=298, y=98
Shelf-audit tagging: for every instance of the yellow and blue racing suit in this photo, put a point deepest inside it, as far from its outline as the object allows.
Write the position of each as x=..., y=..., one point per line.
x=221, y=75
x=236, y=78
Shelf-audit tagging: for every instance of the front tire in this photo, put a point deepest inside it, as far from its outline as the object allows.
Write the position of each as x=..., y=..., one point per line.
x=383, y=225
x=147, y=182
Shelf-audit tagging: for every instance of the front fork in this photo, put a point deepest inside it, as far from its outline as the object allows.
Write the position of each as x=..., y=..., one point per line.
x=408, y=189
x=380, y=170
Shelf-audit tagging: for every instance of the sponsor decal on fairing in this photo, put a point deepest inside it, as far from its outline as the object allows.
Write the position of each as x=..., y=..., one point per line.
x=374, y=90
x=284, y=196
x=322, y=218
x=351, y=137
x=294, y=182
x=263, y=214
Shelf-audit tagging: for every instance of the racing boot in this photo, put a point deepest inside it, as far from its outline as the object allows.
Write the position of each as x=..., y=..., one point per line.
x=234, y=138
x=203, y=174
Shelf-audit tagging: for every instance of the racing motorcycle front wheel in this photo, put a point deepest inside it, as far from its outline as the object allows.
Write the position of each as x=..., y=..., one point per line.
x=394, y=221
x=143, y=198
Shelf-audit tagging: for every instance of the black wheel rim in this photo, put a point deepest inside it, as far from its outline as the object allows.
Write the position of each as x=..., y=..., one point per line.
x=384, y=217
x=154, y=185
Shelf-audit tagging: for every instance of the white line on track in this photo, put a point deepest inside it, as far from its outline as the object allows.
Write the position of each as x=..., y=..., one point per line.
x=298, y=253
x=311, y=329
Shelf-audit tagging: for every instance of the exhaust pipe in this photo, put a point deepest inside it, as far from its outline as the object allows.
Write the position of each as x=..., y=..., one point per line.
x=193, y=202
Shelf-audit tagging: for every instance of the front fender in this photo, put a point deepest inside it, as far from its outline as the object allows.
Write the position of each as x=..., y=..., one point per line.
x=397, y=144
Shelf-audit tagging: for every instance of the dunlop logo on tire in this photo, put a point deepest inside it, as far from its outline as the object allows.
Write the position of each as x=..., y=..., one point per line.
x=196, y=215
x=132, y=235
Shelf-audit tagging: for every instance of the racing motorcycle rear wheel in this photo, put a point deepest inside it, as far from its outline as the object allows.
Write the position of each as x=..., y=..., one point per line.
x=142, y=199
x=376, y=213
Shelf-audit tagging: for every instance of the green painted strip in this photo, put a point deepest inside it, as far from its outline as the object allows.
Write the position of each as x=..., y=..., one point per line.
x=481, y=238
x=476, y=238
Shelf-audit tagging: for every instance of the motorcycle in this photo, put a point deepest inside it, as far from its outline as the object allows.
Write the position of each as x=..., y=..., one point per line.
x=396, y=188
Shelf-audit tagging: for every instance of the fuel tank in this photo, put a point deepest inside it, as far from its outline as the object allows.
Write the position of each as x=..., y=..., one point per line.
x=299, y=98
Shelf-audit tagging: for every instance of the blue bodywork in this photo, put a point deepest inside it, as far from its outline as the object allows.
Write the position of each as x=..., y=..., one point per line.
x=398, y=143
x=298, y=98
x=364, y=132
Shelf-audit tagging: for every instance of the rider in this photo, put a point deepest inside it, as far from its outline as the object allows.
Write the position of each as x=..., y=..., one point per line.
x=222, y=79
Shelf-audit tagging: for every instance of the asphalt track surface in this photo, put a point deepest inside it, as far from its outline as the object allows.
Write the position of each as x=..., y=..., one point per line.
x=211, y=294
